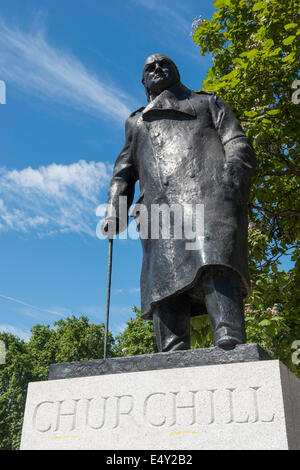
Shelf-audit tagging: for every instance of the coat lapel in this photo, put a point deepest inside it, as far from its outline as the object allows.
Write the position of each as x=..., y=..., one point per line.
x=171, y=101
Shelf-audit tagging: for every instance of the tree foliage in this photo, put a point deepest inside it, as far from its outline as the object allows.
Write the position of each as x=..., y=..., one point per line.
x=14, y=378
x=70, y=340
x=255, y=48
x=138, y=337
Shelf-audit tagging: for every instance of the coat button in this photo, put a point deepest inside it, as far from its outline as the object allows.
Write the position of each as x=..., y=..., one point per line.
x=192, y=174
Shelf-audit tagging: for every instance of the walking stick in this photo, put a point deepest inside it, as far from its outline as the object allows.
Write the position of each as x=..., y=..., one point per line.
x=109, y=268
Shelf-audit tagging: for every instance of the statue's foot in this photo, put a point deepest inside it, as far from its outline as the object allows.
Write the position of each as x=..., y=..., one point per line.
x=227, y=342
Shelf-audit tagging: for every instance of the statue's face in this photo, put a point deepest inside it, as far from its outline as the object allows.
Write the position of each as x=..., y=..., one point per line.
x=159, y=74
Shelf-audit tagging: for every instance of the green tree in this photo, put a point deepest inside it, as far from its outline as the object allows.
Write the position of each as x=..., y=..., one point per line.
x=14, y=378
x=271, y=315
x=73, y=339
x=255, y=48
x=138, y=337
x=201, y=333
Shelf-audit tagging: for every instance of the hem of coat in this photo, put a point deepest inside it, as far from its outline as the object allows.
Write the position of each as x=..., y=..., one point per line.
x=246, y=291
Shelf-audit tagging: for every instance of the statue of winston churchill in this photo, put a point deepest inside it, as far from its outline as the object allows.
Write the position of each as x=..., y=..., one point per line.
x=187, y=147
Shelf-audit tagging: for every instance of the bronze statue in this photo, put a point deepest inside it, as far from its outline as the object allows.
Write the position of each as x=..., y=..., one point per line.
x=187, y=147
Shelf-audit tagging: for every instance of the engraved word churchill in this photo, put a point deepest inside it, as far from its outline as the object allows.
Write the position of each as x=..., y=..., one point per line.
x=156, y=410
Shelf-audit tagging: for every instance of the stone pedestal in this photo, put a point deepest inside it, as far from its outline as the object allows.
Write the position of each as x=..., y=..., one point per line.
x=236, y=405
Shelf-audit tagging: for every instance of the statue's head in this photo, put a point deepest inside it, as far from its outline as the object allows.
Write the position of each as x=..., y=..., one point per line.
x=159, y=73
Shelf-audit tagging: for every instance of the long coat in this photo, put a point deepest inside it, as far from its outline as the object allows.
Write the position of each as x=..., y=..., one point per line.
x=187, y=147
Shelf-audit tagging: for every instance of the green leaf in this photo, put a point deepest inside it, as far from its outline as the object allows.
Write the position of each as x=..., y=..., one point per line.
x=268, y=43
x=288, y=40
x=290, y=26
x=288, y=58
x=258, y=6
x=274, y=268
x=265, y=323
x=221, y=3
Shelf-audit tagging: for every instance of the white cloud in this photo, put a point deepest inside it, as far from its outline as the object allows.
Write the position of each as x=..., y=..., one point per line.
x=54, y=198
x=25, y=335
x=129, y=290
x=168, y=11
x=100, y=210
x=30, y=62
x=119, y=328
x=176, y=17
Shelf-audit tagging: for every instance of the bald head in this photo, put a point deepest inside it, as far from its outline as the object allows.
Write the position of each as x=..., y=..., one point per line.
x=159, y=73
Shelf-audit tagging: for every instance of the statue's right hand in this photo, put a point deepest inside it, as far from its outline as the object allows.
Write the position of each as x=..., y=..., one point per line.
x=110, y=226
x=104, y=227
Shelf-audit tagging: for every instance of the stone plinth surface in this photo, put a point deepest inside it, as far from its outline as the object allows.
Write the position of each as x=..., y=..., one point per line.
x=165, y=360
x=251, y=405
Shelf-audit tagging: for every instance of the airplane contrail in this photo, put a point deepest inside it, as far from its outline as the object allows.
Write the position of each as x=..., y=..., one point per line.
x=12, y=299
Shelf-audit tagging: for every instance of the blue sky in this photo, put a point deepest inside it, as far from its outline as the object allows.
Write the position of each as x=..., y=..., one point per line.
x=73, y=74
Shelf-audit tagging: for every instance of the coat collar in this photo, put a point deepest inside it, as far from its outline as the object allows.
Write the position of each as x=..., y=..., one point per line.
x=174, y=100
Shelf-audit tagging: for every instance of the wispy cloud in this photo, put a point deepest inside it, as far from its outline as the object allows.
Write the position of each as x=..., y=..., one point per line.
x=21, y=302
x=119, y=328
x=25, y=335
x=129, y=290
x=176, y=17
x=30, y=62
x=169, y=12
x=95, y=313
x=119, y=315
x=54, y=198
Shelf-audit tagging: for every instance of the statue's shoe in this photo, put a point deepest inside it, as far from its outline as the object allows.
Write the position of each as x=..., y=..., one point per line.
x=227, y=342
